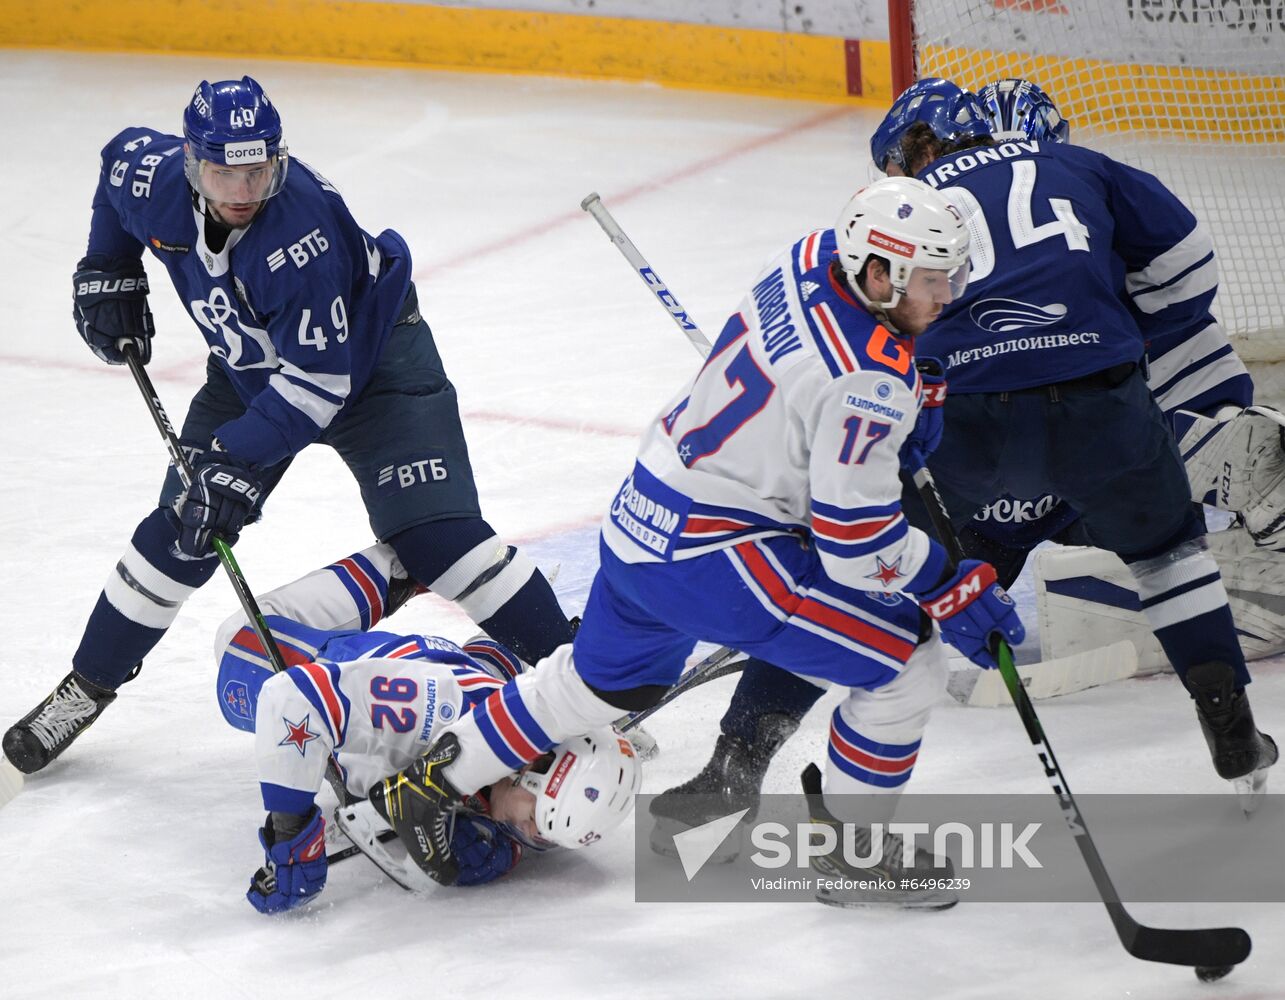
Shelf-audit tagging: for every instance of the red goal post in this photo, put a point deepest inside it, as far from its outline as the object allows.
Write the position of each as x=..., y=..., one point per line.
x=1190, y=90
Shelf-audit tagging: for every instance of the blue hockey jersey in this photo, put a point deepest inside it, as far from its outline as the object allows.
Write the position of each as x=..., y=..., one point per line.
x=297, y=305
x=1073, y=255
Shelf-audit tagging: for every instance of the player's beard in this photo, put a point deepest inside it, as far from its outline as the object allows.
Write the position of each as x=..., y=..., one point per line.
x=234, y=218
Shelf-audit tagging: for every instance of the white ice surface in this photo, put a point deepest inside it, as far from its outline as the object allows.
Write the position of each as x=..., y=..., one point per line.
x=122, y=867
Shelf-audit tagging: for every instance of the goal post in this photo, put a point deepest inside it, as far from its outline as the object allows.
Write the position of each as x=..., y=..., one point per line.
x=1192, y=91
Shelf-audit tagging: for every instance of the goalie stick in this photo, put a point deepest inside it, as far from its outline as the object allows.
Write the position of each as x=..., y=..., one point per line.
x=1207, y=948
x=976, y=687
x=1213, y=947
x=248, y=604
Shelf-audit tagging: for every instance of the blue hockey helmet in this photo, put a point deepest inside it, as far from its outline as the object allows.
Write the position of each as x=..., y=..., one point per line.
x=234, y=151
x=950, y=111
x=1018, y=109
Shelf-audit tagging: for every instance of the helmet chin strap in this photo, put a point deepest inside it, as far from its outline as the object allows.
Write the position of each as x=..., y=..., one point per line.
x=878, y=309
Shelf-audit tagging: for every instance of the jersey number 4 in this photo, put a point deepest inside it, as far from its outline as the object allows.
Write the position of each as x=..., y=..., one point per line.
x=1021, y=224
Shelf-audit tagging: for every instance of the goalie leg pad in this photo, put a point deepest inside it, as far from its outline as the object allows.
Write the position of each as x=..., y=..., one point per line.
x=1087, y=597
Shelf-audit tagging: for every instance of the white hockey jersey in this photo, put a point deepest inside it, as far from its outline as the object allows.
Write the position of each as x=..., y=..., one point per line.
x=376, y=700
x=793, y=425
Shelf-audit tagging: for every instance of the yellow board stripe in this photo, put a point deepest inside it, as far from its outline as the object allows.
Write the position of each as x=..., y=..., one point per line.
x=684, y=55
x=1179, y=101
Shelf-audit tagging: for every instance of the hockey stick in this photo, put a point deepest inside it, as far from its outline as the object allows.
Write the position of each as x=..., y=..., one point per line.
x=1209, y=948
x=248, y=604
x=594, y=206
x=976, y=687
x=718, y=664
x=1213, y=948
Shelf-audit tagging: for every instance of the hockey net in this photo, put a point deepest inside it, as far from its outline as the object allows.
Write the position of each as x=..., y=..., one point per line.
x=1192, y=91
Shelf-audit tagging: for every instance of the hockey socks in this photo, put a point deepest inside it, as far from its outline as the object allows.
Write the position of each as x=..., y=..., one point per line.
x=141, y=599
x=497, y=586
x=1185, y=602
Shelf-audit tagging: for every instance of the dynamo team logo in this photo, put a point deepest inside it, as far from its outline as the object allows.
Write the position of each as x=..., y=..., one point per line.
x=1007, y=315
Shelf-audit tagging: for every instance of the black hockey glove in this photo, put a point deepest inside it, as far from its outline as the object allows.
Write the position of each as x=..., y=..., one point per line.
x=109, y=304
x=224, y=496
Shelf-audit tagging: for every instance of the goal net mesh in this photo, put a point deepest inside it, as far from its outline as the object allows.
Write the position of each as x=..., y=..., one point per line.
x=1192, y=91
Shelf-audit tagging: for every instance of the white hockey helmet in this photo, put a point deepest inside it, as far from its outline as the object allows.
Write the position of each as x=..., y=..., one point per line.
x=587, y=789
x=910, y=225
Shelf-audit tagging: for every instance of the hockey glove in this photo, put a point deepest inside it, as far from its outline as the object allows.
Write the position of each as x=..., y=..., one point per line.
x=223, y=498
x=926, y=434
x=109, y=305
x=974, y=611
x=294, y=870
x=484, y=851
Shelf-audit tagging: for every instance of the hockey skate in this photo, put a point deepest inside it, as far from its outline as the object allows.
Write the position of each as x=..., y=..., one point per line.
x=840, y=882
x=51, y=727
x=731, y=781
x=400, y=590
x=419, y=803
x=1241, y=753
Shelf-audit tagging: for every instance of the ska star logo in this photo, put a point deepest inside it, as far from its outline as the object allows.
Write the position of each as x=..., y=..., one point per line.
x=684, y=452
x=298, y=734
x=887, y=572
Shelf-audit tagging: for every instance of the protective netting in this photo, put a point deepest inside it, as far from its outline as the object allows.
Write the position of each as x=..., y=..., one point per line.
x=1190, y=90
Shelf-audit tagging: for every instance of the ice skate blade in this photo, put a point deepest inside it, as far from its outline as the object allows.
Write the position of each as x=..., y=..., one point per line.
x=874, y=899
x=1251, y=789
x=644, y=744
x=362, y=825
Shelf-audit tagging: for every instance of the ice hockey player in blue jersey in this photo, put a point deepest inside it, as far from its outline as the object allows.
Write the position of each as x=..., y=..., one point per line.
x=763, y=512
x=315, y=334
x=376, y=701
x=1055, y=400
x=1194, y=376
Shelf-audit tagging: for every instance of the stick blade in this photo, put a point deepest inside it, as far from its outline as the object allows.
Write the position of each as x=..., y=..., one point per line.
x=1209, y=947
x=10, y=781
x=1047, y=679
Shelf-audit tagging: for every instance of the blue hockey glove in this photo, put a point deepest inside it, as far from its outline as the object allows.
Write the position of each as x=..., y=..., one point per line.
x=223, y=498
x=483, y=850
x=973, y=611
x=926, y=435
x=109, y=304
x=294, y=870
